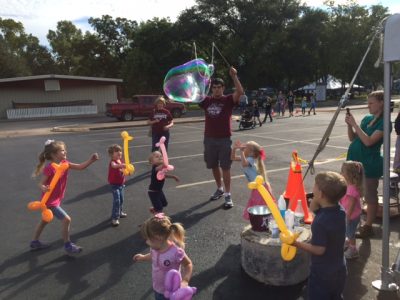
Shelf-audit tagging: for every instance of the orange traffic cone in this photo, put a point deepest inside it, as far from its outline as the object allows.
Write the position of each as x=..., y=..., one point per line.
x=290, y=186
x=297, y=190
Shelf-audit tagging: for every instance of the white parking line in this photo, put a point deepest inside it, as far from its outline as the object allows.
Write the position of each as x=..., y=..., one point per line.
x=241, y=176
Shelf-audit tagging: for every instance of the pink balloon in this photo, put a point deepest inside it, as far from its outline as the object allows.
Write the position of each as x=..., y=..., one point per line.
x=167, y=167
x=172, y=284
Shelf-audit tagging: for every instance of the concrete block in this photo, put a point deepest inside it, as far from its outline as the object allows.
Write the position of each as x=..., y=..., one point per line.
x=261, y=258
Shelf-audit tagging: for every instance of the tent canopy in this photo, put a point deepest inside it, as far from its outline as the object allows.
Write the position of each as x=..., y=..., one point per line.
x=332, y=83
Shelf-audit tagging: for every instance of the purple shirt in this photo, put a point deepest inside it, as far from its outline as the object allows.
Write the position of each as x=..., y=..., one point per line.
x=345, y=201
x=59, y=190
x=162, y=262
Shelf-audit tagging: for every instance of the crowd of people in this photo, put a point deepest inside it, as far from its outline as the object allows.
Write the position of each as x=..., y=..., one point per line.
x=336, y=199
x=276, y=106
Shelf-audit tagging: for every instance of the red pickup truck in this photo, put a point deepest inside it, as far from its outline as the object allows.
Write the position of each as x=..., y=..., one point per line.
x=141, y=106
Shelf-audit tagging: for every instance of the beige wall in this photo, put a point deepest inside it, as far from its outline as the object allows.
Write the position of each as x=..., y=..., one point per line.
x=99, y=94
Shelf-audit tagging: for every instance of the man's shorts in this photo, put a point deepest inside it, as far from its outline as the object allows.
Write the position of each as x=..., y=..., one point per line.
x=217, y=153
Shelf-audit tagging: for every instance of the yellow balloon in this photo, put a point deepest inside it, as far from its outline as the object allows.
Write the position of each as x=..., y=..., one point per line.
x=129, y=168
x=288, y=252
x=34, y=205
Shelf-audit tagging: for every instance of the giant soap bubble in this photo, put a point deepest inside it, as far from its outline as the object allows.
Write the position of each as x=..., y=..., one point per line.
x=189, y=82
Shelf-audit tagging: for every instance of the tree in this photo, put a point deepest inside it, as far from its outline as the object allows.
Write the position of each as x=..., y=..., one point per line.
x=64, y=43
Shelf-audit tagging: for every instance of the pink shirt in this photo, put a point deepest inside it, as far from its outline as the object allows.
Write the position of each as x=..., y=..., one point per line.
x=345, y=201
x=59, y=190
x=162, y=262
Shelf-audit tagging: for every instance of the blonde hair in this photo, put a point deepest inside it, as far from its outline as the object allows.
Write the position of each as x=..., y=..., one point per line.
x=260, y=166
x=353, y=172
x=114, y=148
x=378, y=96
x=49, y=149
x=161, y=226
x=332, y=185
x=160, y=99
x=150, y=158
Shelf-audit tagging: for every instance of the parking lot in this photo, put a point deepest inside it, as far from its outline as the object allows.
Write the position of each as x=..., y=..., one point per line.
x=105, y=269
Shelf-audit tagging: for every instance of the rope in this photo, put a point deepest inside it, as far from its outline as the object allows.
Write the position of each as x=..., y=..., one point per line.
x=342, y=104
x=195, y=50
x=227, y=63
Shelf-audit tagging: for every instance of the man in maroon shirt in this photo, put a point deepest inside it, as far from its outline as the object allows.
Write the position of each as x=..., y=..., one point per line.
x=217, y=134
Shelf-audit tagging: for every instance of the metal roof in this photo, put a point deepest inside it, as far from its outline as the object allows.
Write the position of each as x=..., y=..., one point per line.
x=54, y=76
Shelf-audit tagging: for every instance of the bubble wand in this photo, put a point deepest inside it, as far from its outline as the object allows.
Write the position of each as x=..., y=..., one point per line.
x=288, y=251
x=129, y=168
x=166, y=166
x=47, y=214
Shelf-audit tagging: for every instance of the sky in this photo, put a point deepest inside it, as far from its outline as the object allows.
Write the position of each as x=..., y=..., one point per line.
x=38, y=16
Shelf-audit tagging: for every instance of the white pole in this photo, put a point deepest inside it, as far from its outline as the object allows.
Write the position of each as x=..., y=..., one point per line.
x=386, y=282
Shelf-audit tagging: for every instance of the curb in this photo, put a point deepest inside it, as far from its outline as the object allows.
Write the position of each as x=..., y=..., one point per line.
x=116, y=126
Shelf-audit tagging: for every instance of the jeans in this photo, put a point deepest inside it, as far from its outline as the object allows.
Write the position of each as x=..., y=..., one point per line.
x=155, y=138
x=118, y=200
x=327, y=285
x=158, y=296
x=267, y=113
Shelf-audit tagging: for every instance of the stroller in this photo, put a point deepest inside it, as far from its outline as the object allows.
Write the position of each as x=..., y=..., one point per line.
x=246, y=120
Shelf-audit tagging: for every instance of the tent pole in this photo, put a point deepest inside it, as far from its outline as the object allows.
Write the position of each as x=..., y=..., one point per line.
x=386, y=282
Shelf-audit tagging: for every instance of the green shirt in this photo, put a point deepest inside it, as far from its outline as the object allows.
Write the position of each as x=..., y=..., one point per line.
x=370, y=157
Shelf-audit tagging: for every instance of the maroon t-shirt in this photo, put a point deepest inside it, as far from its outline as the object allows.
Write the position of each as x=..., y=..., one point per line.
x=218, y=112
x=115, y=176
x=165, y=118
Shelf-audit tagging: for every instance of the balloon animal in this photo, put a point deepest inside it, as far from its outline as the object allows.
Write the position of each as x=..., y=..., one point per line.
x=129, y=168
x=173, y=290
x=288, y=252
x=47, y=214
x=166, y=167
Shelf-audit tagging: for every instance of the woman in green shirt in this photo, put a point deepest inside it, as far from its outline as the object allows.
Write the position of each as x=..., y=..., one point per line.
x=366, y=141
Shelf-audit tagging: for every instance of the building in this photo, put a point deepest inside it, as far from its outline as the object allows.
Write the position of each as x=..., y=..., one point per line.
x=56, y=95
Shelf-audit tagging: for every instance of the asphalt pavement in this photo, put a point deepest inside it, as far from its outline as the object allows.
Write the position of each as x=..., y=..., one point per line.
x=105, y=270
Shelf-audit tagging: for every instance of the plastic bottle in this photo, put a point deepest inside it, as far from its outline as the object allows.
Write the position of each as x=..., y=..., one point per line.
x=282, y=206
x=289, y=219
x=298, y=214
x=274, y=229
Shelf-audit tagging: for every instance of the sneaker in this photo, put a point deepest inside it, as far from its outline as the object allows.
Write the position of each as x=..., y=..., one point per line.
x=218, y=194
x=365, y=231
x=72, y=249
x=351, y=253
x=115, y=223
x=228, y=201
x=38, y=245
x=123, y=214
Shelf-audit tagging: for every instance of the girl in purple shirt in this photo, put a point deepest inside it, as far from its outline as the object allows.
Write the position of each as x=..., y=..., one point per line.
x=166, y=241
x=55, y=152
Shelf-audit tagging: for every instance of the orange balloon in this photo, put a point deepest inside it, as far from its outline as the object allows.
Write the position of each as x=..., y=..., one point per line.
x=34, y=205
x=47, y=215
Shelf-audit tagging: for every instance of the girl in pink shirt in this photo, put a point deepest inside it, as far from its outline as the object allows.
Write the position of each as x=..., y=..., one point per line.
x=166, y=241
x=353, y=172
x=55, y=152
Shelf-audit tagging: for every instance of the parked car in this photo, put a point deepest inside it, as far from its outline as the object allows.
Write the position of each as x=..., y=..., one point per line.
x=141, y=106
